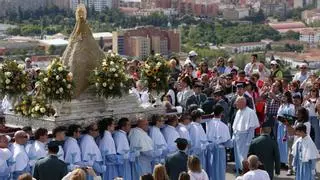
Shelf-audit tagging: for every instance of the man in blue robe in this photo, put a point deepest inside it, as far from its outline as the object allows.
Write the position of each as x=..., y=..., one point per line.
x=72, y=152
x=305, y=154
x=245, y=122
x=123, y=148
x=219, y=138
x=5, y=155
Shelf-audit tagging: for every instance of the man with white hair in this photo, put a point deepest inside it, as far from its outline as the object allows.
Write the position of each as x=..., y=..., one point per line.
x=230, y=66
x=303, y=74
x=245, y=122
x=141, y=142
x=20, y=156
x=4, y=157
x=255, y=172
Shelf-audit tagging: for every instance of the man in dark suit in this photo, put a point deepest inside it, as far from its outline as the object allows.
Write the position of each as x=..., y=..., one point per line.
x=177, y=162
x=267, y=150
x=50, y=167
x=207, y=106
x=197, y=98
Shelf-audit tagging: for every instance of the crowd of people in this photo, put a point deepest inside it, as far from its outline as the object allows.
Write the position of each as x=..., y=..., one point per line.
x=255, y=117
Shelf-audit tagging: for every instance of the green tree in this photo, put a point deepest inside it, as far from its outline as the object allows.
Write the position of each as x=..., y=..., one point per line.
x=51, y=50
x=292, y=35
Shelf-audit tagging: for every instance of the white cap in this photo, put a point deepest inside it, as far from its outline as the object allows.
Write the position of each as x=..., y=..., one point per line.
x=193, y=53
x=274, y=62
x=304, y=65
x=27, y=59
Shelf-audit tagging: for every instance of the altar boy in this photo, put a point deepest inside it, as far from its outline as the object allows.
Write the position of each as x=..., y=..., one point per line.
x=305, y=154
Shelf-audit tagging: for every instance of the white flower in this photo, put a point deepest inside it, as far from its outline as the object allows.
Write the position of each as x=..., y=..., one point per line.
x=64, y=80
x=69, y=86
x=70, y=74
x=42, y=110
x=23, y=86
x=113, y=69
x=41, y=74
x=121, y=84
x=110, y=87
x=111, y=63
x=116, y=75
x=104, y=84
x=37, y=108
x=60, y=69
x=96, y=73
x=117, y=66
x=159, y=64
x=21, y=66
x=8, y=87
x=97, y=84
x=104, y=63
x=8, y=74
x=48, y=90
x=61, y=89
x=112, y=55
x=108, y=80
x=24, y=72
x=57, y=77
x=57, y=92
x=45, y=80
x=8, y=81
x=158, y=79
x=1, y=67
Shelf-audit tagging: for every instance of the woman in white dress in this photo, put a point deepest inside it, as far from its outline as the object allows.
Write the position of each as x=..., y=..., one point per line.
x=194, y=169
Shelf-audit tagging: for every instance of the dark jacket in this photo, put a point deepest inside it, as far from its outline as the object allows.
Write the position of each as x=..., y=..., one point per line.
x=268, y=153
x=175, y=164
x=50, y=168
x=194, y=100
x=207, y=106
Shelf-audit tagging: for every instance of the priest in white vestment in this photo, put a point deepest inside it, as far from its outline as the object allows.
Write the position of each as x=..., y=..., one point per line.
x=141, y=142
x=20, y=159
x=199, y=140
x=5, y=155
x=219, y=138
x=38, y=149
x=108, y=148
x=122, y=146
x=171, y=134
x=158, y=139
x=72, y=152
x=255, y=173
x=90, y=151
x=245, y=122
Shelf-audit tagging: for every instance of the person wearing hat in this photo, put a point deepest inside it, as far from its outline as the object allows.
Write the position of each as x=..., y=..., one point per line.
x=192, y=56
x=198, y=97
x=302, y=74
x=219, y=98
x=267, y=150
x=50, y=167
x=4, y=157
x=276, y=72
x=230, y=66
x=177, y=162
x=219, y=135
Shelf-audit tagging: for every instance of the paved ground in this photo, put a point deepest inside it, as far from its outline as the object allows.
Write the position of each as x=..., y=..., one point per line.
x=231, y=174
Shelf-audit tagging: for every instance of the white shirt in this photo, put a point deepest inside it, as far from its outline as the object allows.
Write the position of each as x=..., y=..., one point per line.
x=5, y=154
x=173, y=96
x=198, y=176
x=106, y=144
x=60, y=153
x=89, y=149
x=20, y=157
x=138, y=138
x=197, y=135
x=159, y=142
x=217, y=131
x=245, y=119
x=309, y=150
x=37, y=151
x=183, y=96
x=286, y=109
x=72, y=151
x=248, y=68
x=228, y=69
x=300, y=77
x=311, y=107
x=183, y=131
x=257, y=174
x=121, y=141
x=171, y=134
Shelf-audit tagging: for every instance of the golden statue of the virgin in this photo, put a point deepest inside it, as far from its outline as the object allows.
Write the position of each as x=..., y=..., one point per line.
x=83, y=53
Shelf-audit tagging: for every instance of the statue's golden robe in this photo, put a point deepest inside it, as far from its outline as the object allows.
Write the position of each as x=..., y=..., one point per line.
x=83, y=53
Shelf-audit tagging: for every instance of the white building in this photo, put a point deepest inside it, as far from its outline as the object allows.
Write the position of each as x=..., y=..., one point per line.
x=99, y=5
x=246, y=47
x=310, y=36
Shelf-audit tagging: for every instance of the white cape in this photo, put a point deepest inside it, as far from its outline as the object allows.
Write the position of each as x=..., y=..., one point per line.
x=309, y=149
x=139, y=139
x=245, y=119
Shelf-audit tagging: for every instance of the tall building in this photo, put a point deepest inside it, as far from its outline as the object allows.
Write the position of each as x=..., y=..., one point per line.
x=139, y=42
x=98, y=5
x=61, y=4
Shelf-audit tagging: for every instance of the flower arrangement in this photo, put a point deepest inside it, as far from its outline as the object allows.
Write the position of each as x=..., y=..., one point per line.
x=35, y=107
x=110, y=78
x=14, y=80
x=155, y=73
x=57, y=83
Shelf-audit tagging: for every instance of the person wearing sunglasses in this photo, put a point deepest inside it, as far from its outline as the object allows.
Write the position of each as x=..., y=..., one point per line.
x=20, y=159
x=302, y=74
